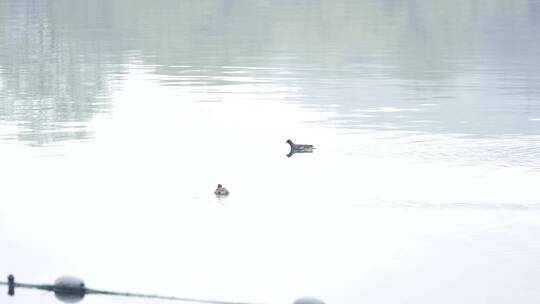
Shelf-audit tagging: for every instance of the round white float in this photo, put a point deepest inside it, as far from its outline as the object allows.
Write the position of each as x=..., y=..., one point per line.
x=308, y=300
x=69, y=289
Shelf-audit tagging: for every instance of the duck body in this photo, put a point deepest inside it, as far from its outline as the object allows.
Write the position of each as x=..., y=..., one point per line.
x=299, y=148
x=221, y=191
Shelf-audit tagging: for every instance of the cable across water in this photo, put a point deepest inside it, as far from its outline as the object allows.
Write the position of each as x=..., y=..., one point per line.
x=73, y=287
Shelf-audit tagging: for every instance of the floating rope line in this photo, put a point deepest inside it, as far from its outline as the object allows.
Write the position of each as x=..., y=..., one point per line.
x=158, y=297
x=72, y=289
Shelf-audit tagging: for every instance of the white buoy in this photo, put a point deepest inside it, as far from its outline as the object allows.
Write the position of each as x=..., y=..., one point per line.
x=308, y=300
x=69, y=289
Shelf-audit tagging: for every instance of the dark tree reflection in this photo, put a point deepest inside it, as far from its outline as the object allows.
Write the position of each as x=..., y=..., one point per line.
x=52, y=84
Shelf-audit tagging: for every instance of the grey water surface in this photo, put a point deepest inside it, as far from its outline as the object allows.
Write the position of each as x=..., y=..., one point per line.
x=119, y=118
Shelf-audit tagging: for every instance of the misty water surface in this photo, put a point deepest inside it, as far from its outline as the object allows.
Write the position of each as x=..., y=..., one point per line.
x=119, y=118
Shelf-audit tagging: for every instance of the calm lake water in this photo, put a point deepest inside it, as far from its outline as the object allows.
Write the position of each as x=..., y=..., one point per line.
x=119, y=118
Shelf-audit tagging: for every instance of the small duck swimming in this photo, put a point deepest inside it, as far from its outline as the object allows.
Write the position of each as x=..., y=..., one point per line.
x=297, y=148
x=221, y=191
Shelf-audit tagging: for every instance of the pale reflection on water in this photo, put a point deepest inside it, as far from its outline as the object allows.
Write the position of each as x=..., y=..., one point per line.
x=117, y=121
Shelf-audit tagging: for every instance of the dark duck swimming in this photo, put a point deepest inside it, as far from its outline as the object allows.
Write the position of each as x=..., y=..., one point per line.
x=221, y=191
x=299, y=148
